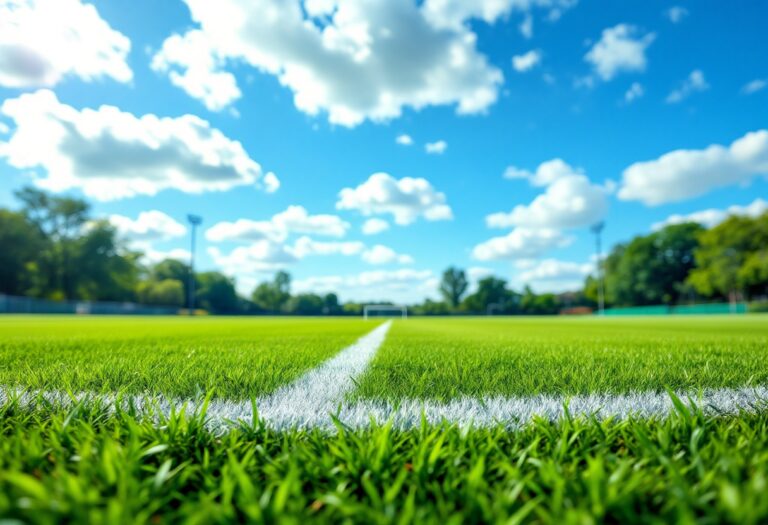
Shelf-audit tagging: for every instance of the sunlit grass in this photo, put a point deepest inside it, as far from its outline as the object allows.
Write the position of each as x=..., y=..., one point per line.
x=444, y=358
x=235, y=358
x=86, y=466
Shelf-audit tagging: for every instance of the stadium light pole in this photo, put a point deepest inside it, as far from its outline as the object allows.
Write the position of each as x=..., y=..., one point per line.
x=194, y=222
x=597, y=229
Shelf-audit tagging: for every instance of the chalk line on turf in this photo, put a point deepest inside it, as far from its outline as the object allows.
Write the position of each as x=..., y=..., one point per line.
x=310, y=401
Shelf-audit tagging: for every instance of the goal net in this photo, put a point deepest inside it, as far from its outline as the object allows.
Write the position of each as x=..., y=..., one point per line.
x=376, y=310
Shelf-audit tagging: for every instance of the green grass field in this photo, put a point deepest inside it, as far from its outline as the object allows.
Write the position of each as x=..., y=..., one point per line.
x=439, y=359
x=92, y=461
x=233, y=358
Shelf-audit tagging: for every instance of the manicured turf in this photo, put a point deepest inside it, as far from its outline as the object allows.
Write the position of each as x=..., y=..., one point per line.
x=91, y=463
x=446, y=358
x=89, y=467
x=236, y=358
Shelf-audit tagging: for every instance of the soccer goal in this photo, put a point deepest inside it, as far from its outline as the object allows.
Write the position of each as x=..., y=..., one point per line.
x=376, y=309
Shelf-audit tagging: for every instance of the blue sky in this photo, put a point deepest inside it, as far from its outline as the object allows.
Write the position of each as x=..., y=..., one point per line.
x=172, y=107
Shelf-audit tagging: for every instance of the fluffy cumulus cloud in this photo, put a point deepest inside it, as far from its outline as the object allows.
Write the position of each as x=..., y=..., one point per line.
x=754, y=86
x=569, y=201
x=194, y=66
x=521, y=243
x=676, y=14
x=684, y=174
x=44, y=41
x=454, y=13
x=294, y=219
x=111, y=154
x=403, y=285
x=374, y=225
x=380, y=254
x=258, y=257
x=404, y=140
x=436, y=148
x=149, y=226
x=694, y=83
x=634, y=92
x=620, y=49
x=552, y=272
x=305, y=247
x=405, y=199
x=714, y=216
x=526, y=61
x=352, y=60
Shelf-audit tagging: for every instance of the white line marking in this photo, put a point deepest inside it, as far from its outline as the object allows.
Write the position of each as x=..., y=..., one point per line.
x=464, y=412
x=311, y=400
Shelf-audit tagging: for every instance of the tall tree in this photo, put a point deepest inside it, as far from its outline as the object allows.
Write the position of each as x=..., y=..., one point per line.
x=104, y=270
x=273, y=296
x=216, y=292
x=729, y=258
x=491, y=294
x=453, y=285
x=652, y=269
x=20, y=246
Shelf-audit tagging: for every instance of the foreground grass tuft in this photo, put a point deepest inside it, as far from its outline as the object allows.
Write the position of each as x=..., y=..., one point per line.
x=87, y=465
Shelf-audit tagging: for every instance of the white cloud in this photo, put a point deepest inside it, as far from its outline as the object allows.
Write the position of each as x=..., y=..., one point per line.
x=405, y=199
x=354, y=61
x=526, y=26
x=380, y=254
x=152, y=256
x=403, y=285
x=436, y=148
x=713, y=216
x=149, y=226
x=694, y=83
x=305, y=247
x=620, y=49
x=520, y=243
x=43, y=41
x=454, y=13
x=374, y=225
x=754, y=86
x=634, y=92
x=553, y=270
x=404, y=140
x=676, y=13
x=294, y=219
x=192, y=65
x=526, y=61
x=111, y=154
x=570, y=200
x=259, y=257
x=683, y=174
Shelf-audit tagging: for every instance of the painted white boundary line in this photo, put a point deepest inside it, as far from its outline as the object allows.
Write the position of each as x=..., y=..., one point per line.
x=311, y=400
x=465, y=412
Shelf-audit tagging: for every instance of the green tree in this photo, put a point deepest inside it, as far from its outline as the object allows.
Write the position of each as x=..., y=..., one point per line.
x=652, y=269
x=20, y=246
x=306, y=304
x=492, y=294
x=106, y=271
x=172, y=269
x=167, y=292
x=60, y=220
x=729, y=258
x=216, y=293
x=453, y=286
x=273, y=296
x=541, y=304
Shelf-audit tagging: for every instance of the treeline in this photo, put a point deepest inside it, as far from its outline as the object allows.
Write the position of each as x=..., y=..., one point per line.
x=685, y=263
x=53, y=249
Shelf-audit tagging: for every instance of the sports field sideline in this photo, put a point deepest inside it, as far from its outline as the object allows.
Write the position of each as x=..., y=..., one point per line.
x=471, y=371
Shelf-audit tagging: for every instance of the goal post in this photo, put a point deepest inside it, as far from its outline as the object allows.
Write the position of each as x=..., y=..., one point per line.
x=377, y=308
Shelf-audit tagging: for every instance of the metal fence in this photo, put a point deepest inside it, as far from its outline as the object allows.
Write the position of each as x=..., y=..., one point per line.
x=685, y=309
x=10, y=304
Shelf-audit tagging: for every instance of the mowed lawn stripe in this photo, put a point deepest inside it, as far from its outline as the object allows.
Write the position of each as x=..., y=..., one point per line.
x=236, y=358
x=448, y=358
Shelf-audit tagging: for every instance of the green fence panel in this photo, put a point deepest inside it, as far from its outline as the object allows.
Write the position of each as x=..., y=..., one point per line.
x=686, y=309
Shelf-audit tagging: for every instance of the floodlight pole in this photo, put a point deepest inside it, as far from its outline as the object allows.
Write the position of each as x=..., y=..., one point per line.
x=194, y=222
x=597, y=229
